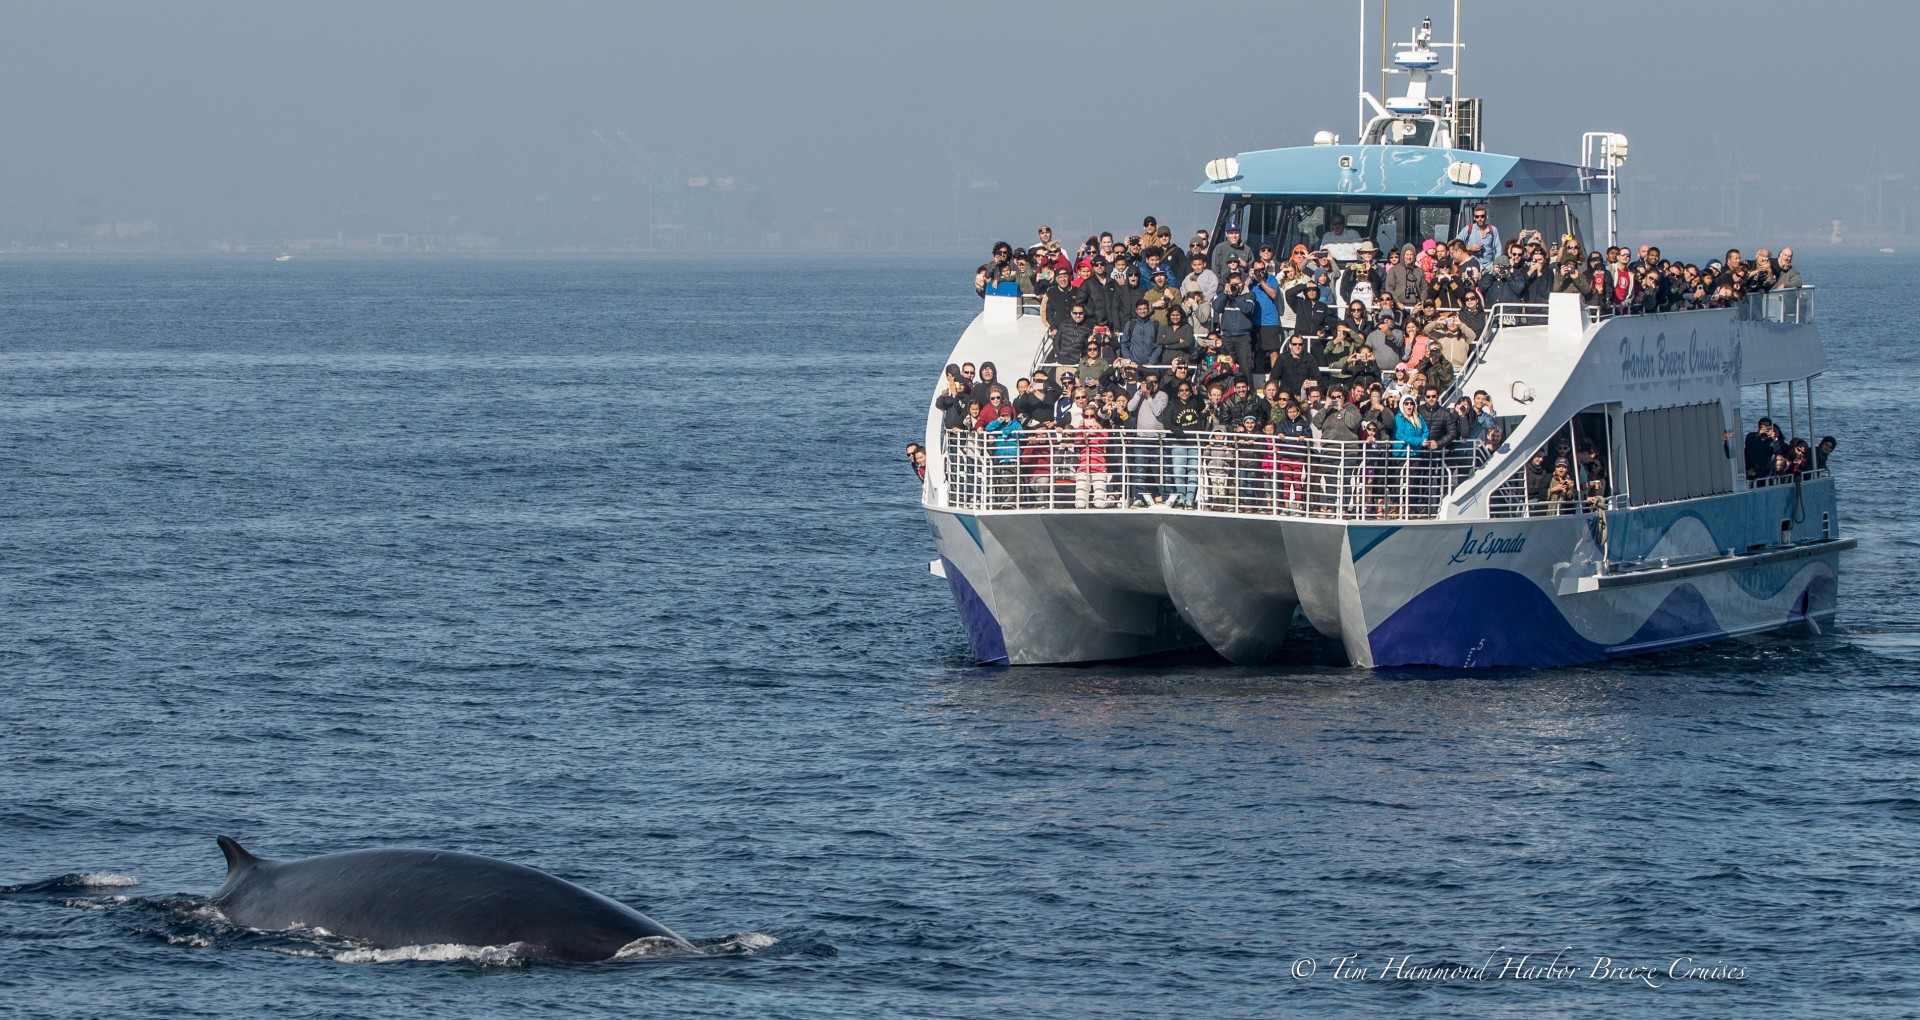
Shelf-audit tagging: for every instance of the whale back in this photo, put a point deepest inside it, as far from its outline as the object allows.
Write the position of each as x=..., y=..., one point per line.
x=392, y=898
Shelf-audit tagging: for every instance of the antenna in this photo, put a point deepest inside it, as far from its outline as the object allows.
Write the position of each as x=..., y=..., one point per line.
x=1361, y=64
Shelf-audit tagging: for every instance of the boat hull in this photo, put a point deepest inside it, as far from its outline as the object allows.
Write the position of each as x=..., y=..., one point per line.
x=1037, y=587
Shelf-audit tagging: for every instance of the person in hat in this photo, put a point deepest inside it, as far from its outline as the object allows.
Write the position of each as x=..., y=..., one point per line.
x=1160, y=294
x=1562, y=489
x=1229, y=248
x=1362, y=279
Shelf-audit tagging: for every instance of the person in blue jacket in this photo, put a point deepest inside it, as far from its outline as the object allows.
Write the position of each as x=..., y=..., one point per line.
x=1141, y=342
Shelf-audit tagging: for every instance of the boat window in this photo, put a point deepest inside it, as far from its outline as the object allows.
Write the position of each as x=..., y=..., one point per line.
x=1551, y=219
x=1436, y=223
x=1284, y=222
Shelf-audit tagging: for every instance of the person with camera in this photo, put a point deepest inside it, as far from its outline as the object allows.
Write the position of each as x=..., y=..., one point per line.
x=1311, y=317
x=1362, y=279
x=1234, y=315
x=1148, y=409
x=1570, y=277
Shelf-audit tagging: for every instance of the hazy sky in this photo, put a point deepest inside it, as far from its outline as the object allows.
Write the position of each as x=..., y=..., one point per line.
x=326, y=115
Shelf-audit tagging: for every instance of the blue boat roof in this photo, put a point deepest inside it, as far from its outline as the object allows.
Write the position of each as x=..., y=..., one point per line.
x=1396, y=171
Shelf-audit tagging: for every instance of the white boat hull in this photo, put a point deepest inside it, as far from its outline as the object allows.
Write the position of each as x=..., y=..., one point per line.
x=1036, y=587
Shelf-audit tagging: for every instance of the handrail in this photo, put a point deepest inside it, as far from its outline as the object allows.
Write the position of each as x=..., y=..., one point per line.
x=1223, y=472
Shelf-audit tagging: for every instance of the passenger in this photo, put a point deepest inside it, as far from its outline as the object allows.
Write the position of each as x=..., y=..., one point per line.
x=1570, y=275
x=1405, y=281
x=1187, y=417
x=1443, y=429
x=1338, y=421
x=1539, y=478
x=1032, y=408
x=1788, y=278
x=1088, y=446
x=1494, y=442
x=1622, y=284
x=1311, y=316
x=989, y=379
x=1143, y=339
x=1361, y=367
x=1801, y=456
x=1092, y=369
x=1234, y=315
x=1827, y=443
x=1148, y=408
x=1200, y=279
x=1180, y=343
x=1762, y=444
x=1484, y=418
x=991, y=408
x=1481, y=238
x=1295, y=367
x=1161, y=296
x=1563, y=493
x=1072, y=336
x=1241, y=402
x=1227, y=249
x=952, y=401
x=1341, y=244
x=1004, y=441
x=1268, y=296
x=1363, y=279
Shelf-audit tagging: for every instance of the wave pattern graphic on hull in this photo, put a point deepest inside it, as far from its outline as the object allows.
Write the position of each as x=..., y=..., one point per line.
x=1450, y=624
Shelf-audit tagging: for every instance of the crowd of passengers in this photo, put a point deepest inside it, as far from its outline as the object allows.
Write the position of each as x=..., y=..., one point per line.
x=1331, y=343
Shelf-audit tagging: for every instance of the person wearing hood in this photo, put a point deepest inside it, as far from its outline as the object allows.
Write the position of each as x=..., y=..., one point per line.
x=1538, y=477
x=1311, y=316
x=1404, y=280
x=988, y=381
x=1161, y=295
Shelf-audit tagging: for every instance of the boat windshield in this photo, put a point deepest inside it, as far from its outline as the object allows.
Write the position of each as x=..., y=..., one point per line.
x=1338, y=225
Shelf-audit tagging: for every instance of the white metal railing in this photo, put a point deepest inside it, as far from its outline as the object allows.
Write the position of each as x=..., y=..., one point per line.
x=1512, y=500
x=1794, y=305
x=1276, y=476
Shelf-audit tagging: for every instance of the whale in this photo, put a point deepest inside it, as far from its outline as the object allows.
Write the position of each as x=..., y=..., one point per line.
x=393, y=898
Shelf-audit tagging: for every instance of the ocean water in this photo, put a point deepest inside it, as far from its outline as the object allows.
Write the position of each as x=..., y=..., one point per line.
x=613, y=568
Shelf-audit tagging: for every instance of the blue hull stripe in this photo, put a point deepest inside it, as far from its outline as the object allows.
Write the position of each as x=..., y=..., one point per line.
x=1494, y=617
x=983, y=631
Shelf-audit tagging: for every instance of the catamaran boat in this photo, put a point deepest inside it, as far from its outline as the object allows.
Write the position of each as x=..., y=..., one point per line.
x=1443, y=559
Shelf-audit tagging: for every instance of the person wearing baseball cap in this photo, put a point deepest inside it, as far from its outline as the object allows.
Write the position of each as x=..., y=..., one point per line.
x=1230, y=246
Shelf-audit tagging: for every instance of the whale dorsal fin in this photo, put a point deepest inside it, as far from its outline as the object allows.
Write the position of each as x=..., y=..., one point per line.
x=238, y=859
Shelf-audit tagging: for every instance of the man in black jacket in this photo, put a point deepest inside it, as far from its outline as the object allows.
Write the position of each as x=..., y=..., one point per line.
x=1072, y=336
x=1310, y=317
x=1234, y=313
x=1295, y=366
x=1442, y=427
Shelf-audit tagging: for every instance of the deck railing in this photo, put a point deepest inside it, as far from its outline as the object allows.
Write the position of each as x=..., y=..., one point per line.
x=1275, y=476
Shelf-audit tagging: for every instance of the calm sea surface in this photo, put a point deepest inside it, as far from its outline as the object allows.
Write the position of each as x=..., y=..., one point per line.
x=614, y=568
